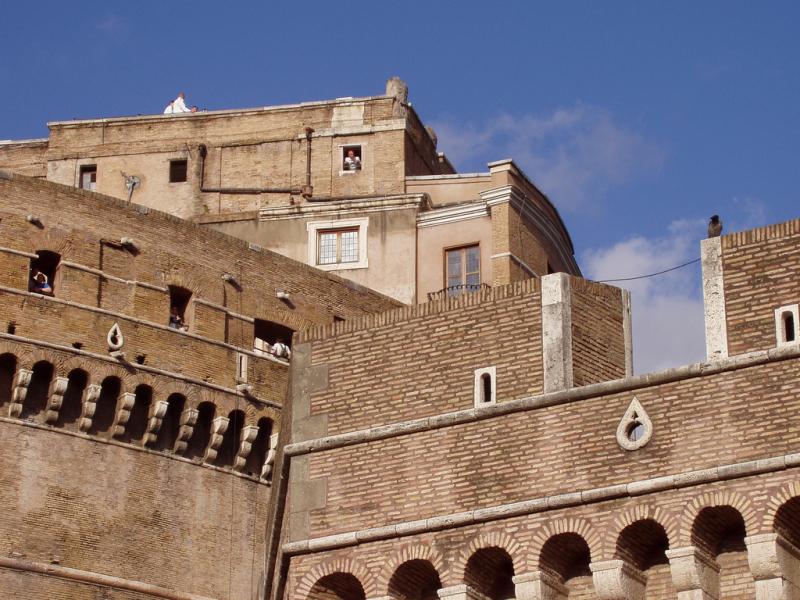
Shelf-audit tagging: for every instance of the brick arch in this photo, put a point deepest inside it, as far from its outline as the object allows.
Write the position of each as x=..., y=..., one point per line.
x=783, y=495
x=99, y=371
x=29, y=356
x=50, y=238
x=342, y=565
x=407, y=553
x=492, y=539
x=714, y=499
x=582, y=527
x=188, y=282
x=171, y=387
x=642, y=512
x=65, y=365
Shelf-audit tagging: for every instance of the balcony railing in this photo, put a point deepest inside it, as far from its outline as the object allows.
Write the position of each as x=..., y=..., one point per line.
x=456, y=290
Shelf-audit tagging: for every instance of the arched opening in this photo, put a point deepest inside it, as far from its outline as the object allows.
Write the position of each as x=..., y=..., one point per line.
x=489, y=571
x=787, y=320
x=8, y=369
x=267, y=335
x=38, y=390
x=720, y=532
x=106, y=408
x=230, y=441
x=415, y=580
x=136, y=426
x=337, y=586
x=43, y=272
x=170, y=426
x=72, y=403
x=486, y=387
x=179, y=304
x=787, y=521
x=567, y=557
x=258, y=453
x=643, y=544
x=201, y=434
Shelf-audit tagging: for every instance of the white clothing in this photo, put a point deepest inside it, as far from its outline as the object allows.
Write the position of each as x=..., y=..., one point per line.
x=281, y=350
x=352, y=164
x=176, y=106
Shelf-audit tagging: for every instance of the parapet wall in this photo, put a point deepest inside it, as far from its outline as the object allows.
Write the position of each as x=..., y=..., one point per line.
x=761, y=272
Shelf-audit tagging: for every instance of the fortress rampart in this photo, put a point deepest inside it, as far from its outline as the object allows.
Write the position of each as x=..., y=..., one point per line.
x=583, y=482
x=138, y=453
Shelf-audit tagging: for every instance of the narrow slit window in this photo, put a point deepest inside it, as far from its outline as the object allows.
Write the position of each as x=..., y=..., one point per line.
x=786, y=325
x=178, y=170
x=485, y=391
x=241, y=367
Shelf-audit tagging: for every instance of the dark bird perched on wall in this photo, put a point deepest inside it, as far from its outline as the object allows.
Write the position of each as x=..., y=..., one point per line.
x=714, y=226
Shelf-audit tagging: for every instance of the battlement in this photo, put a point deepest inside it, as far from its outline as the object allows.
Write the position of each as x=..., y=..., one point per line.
x=751, y=291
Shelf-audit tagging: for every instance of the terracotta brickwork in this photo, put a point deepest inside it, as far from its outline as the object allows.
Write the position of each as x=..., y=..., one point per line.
x=759, y=271
x=143, y=470
x=598, y=338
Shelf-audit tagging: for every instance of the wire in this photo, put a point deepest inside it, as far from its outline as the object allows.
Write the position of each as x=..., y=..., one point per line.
x=686, y=264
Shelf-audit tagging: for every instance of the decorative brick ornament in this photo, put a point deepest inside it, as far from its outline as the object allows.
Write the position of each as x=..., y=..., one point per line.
x=635, y=428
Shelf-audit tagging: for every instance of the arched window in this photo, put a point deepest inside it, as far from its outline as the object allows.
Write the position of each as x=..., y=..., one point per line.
x=485, y=386
x=179, y=308
x=72, y=404
x=106, y=408
x=787, y=324
x=38, y=390
x=231, y=440
x=8, y=369
x=43, y=272
x=337, y=586
x=201, y=435
x=168, y=433
x=567, y=557
x=490, y=572
x=415, y=579
x=258, y=453
x=720, y=532
x=643, y=544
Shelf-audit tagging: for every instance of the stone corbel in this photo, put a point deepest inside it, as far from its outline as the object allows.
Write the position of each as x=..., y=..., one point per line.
x=55, y=398
x=617, y=580
x=218, y=428
x=22, y=379
x=249, y=434
x=775, y=565
x=269, y=462
x=124, y=407
x=695, y=574
x=157, y=413
x=460, y=592
x=188, y=419
x=90, y=396
x=539, y=585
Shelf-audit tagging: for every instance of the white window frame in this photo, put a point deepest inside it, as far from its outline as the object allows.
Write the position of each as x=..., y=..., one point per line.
x=363, y=146
x=478, y=393
x=316, y=227
x=780, y=334
x=241, y=367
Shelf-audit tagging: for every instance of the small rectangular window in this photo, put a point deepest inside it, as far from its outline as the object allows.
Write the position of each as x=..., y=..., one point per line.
x=351, y=158
x=337, y=246
x=462, y=270
x=88, y=177
x=241, y=367
x=178, y=170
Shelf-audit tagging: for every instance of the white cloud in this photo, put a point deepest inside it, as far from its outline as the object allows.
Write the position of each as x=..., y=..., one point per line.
x=668, y=327
x=574, y=154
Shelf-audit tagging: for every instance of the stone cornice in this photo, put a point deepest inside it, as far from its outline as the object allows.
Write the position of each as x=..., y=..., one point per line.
x=359, y=205
x=452, y=214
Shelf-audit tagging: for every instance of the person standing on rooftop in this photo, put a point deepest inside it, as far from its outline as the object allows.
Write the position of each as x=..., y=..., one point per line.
x=177, y=106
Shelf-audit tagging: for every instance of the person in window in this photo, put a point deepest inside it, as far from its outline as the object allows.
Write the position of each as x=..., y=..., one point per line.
x=40, y=285
x=351, y=161
x=178, y=106
x=175, y=319
x=281, y=350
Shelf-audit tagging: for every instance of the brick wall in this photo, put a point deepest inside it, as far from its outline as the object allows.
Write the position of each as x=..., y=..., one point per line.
x=421, y=360
x=759, y=275
x=129, y=514
x=598, y=338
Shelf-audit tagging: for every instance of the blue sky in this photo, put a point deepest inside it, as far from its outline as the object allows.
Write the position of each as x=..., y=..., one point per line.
x=639, y=119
